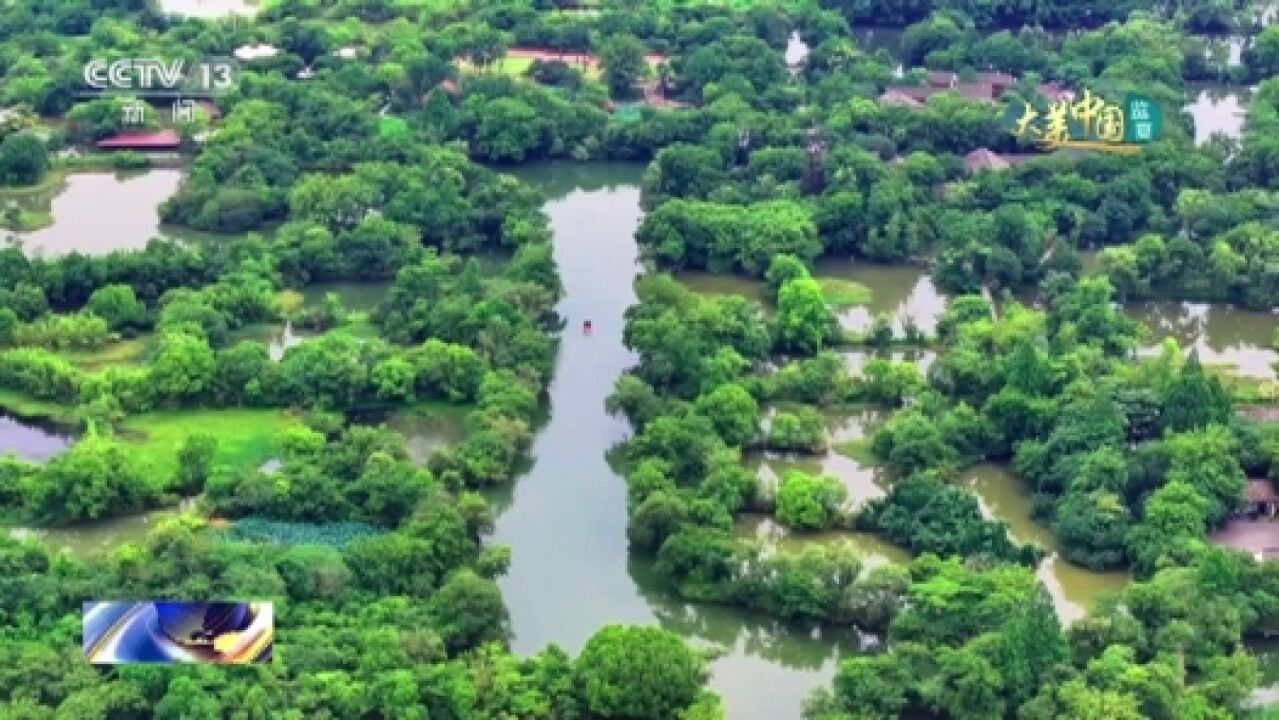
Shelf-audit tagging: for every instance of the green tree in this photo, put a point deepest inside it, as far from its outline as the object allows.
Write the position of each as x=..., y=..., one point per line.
x=23, y=159
x=1171, y=528
x=782, y=269
x=118, y=305
x=469, y=611
x=183, y=367
x=97, y=478
x=1208, y=461
x=801, y=431
x=638, y=672
x=1193, y=399
x=809, y=502
x=804, y=321
x=623, y=64
x=1030, y=647
x=732, y=411
x=195, y=462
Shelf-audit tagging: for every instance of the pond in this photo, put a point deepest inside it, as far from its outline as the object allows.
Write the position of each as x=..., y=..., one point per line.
x=1217, y=109
x=97, y=212
x=355, y=296
x=898, y=291
x=1220, y=333
x=32, y=440
x=796, y=51
x=920, y=358
x=209, y=8
x=94, y=539
x=427, y=428
x=1074, y=589
x=277, y=338
x=862, y=480
x=874, y=550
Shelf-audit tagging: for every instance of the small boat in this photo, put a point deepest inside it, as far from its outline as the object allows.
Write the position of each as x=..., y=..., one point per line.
x=586, y=326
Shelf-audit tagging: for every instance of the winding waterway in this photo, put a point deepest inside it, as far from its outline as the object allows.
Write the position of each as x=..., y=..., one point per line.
x=565, y=520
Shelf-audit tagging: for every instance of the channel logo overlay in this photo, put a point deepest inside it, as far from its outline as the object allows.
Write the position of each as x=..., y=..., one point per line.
x=176, y=631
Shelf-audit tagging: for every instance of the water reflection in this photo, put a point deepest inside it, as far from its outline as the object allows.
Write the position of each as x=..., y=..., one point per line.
x=209, y=8
x=355, y=296
x=1003, y=496
x=1221, y=333
x=93, y=539
x=773, y=536
x=796, y=50
x=428, y=428
x=864, y=482
x=95, y=212
x=898, y=291
x=1218, y=109
x=923, y=359
x=768, y=667
x=31, y=439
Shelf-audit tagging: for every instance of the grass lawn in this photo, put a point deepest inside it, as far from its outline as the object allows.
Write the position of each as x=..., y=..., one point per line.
x=123, y=352
x=244, y=435
x=517, y=66
x=29, y=220
x=858, y=449
x=49, y=182
x=842, y=294
x=290, y=300
x=513, y=66
x=1244, y=389
x=27, y=406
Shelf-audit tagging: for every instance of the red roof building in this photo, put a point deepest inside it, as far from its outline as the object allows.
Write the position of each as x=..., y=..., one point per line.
x=1055, y=91
x=894, y=97
x=209, y=109
x=166, y=139
x=984, y=159
x=943, y=79
x=1000, y=81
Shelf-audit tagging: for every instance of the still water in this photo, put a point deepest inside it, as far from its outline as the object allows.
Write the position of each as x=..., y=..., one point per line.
x=428, y=428
x=565, y=519
x=862, y=481
x=1218, y=109
x=1222, y=334
x=209, y=8
x=31, y=440
x=90, y=539
x=900, y=292
x=1074, y=589
x=97, y=212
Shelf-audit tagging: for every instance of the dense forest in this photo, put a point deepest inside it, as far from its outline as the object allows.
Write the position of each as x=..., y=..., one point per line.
x=386, y=164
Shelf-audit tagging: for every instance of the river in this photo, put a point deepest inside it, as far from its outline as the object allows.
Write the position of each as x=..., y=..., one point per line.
x=565, y=520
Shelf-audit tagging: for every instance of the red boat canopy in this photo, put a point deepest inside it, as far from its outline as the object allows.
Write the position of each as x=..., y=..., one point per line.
x=156, y=139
